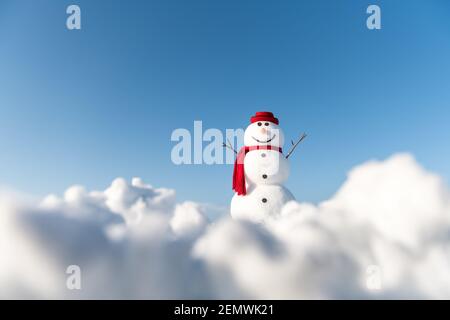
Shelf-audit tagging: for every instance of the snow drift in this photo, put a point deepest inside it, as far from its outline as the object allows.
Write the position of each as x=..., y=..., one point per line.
x=135, y=241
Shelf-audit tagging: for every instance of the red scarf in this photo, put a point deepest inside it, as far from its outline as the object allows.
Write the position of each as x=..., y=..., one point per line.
x=239, y=172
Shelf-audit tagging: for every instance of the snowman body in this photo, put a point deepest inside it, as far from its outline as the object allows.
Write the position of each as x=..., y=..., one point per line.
x=265, y=172
x=262, y=202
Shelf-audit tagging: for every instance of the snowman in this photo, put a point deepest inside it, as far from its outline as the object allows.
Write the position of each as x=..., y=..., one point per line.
x=260, y=170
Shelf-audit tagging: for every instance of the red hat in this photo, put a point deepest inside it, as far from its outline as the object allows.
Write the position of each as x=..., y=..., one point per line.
x=264, y=116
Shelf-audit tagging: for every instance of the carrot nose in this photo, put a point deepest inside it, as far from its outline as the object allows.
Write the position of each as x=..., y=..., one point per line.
x=263, y=130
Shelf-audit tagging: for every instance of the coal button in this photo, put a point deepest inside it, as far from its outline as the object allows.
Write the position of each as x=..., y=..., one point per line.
x=263, y=155
x=264, y=200
x=264, y=176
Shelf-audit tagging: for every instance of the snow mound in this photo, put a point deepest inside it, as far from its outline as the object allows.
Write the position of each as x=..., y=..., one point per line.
x=384, y=234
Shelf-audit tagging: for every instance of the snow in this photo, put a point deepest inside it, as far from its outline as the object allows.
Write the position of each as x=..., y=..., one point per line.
x=135, y=241
x=261, y=203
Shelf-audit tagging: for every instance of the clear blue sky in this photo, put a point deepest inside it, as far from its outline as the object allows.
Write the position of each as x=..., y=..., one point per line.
x=87, y=106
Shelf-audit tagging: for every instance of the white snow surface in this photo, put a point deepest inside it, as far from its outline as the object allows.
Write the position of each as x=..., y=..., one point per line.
x=133, y=240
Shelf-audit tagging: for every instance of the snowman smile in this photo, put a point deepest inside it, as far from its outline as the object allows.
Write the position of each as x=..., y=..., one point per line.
x=267, y=141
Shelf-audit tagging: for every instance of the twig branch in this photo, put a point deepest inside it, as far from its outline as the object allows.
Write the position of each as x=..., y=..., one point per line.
x=229, y=146
x=294, y=145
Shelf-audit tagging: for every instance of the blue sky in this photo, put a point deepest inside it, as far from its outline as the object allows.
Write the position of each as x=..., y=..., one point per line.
x=84, y=107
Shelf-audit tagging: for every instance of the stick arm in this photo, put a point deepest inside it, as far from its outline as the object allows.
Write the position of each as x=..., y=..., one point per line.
x=294, y=145
x=229, y=146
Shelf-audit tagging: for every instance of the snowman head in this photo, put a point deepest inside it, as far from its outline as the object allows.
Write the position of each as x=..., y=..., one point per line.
x=263, y=131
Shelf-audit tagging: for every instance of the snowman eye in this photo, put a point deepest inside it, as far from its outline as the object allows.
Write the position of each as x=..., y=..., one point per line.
x=259, y=124
x=266, y=124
